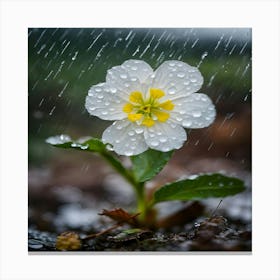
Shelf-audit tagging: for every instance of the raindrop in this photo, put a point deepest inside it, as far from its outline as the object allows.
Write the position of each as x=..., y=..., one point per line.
x=196, y=114
x=231, y=51
x=219, y=42
x=128, y=153
x=210, y=146
x=52, y=110
x=42, y=47
x=136, y=51
x=75, y=55
x=162, y=139
x=94, y=41
x=65, y=48
x=62, y=91
x=165, y=149
x=123, y=76
x=243, y=48
x=187, y=123
x=84, y=147
x=139, y=130
x=58, y=139
x=171, y=90
x=48, y=75
x=109, y=147
x=154, y=143
x=232, y=133
x=204, y=55
x=41, y=102
x=194, y=43
x=181, y=75
x=131, y=133
x=129, y=34
x=113, y=90
x=212, y=79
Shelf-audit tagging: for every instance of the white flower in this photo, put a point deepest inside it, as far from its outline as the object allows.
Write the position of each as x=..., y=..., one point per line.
x=150, y=108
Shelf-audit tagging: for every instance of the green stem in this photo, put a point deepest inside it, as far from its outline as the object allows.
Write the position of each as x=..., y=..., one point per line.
x=138, y=187
x=141, y=201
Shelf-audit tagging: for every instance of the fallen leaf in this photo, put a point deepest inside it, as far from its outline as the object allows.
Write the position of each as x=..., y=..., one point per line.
x=121, y=216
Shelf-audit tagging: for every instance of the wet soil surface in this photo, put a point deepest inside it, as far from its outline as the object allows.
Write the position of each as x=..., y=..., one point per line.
x=70, y=195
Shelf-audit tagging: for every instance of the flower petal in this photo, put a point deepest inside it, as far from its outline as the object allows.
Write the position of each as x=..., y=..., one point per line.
x=138, y=68
x=193, y=111
x=165, y=136
x=101, y=102
x=125, y=137
x=128, y=77
x=177, y=79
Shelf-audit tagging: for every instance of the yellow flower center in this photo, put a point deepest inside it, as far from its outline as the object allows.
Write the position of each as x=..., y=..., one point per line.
x=145, y=111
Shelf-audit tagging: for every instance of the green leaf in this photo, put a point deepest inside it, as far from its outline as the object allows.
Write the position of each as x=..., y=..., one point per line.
x=91, y=145
x=214, y=185
x=148, y=164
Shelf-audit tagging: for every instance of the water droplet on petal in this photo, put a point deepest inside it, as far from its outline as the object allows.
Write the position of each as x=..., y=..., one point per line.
x=128, y=153
x=123, y=76
x=171, y=90
x=178, y=118
x=187, y=123
x=196, y=114
x=131, y=133
x=139, y=130
x=163, y=140
x=154, y=143
x=181, y=75
x=113, y=90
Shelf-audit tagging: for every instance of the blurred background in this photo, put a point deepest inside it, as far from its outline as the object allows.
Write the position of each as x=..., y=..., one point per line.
x=64, y=63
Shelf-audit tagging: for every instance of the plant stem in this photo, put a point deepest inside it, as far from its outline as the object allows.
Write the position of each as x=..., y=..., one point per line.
x=138, y=187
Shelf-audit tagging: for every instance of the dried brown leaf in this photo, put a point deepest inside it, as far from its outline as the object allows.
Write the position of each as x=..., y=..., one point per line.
x=121, y=216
